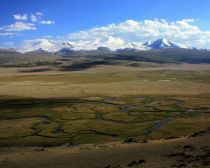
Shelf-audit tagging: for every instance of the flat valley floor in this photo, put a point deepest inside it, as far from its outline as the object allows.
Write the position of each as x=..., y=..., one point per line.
x=104, y=116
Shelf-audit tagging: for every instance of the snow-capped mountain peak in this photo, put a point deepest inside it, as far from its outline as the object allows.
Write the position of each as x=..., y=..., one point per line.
x=162, y=44
x=44, y=44
x=113, y=43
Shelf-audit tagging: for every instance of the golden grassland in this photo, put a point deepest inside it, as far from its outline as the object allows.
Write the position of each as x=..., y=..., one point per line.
x=106, y=84
x=102, y=104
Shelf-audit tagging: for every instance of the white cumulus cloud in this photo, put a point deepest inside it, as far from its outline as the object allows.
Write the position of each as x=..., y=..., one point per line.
x=6, y=34
x=22, y=23
x=39, y=14
x=20, y=17
x=182, y=31
x=19, y=26
x=48, y=22
x=34, y=18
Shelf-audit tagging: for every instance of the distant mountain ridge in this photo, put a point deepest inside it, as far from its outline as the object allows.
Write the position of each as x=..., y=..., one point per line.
x=97, y=46
x=109, y=43
x=8, y=51
x=104, y=55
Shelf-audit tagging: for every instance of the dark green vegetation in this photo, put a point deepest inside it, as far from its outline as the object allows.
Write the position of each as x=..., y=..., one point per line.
x=51, y=122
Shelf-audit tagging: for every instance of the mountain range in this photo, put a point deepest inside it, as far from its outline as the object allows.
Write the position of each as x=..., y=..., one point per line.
x=110, y=43
x=98, y=46
x=158, y=51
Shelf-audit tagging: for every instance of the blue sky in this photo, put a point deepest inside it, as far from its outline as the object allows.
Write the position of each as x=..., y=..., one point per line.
x=60, y=18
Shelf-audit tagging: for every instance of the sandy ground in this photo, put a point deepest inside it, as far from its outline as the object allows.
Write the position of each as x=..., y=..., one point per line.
x=180, y=152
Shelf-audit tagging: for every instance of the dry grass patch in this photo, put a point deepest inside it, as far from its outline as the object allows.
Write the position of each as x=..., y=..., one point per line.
x=17, y=128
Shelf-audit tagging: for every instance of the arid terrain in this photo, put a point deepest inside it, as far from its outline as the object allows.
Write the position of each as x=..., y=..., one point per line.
x=62, y=112
x=181, y=152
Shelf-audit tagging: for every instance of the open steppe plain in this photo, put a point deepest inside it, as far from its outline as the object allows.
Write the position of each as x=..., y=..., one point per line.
x=136, y=114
